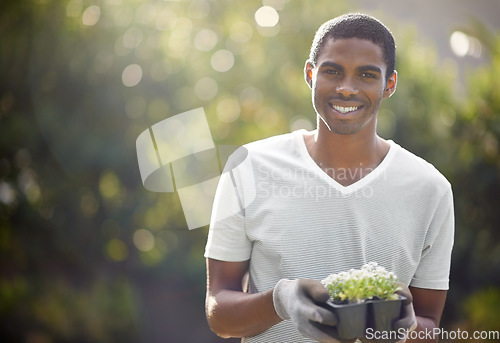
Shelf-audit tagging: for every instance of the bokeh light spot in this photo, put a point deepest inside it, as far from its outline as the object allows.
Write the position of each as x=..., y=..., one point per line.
x=7, y=193
x=144, y=240
x=267, y=16
x=132, y=75
x=182, y=27
x=222, y=60
x=463, y=45
x=205, y=40
x=117, y=250
x=459, y=43
x=91, y=15
x=109, y=184
x=206, y=88
x=228, y=110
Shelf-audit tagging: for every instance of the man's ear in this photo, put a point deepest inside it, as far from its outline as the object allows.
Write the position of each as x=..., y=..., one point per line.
x=391, y=84
x=308, y=73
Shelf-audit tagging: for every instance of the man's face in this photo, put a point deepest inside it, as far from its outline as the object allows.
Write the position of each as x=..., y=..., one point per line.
x=348, y=84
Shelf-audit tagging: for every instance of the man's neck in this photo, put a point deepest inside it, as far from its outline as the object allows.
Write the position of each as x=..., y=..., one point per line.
x=346, y=158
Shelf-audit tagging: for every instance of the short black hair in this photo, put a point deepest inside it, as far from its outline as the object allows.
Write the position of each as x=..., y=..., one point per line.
x=356, y=25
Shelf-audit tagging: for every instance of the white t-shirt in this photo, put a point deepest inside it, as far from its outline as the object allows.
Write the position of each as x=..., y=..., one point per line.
x=277, y=208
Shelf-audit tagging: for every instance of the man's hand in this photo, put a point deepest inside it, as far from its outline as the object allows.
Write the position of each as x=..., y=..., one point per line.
x=299, y=301
x=408, y=321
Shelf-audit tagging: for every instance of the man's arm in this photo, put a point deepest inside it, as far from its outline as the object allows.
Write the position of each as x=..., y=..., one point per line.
x=428, y=305
x=231, y=312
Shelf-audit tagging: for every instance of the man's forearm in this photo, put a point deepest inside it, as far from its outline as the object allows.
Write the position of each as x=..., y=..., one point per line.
x=237, y=314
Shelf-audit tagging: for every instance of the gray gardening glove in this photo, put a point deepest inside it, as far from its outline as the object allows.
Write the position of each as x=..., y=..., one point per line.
x=408, y=321
x=299, y=300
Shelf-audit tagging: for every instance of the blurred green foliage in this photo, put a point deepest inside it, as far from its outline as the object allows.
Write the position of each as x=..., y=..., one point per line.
x=88, y=255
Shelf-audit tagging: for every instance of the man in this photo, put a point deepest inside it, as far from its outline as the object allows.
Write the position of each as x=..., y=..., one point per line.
x=294, y=208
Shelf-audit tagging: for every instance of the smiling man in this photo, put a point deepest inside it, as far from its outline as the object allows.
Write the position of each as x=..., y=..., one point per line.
x=303, y=205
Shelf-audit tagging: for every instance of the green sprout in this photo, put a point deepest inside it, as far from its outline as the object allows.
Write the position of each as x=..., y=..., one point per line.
x=357, y=285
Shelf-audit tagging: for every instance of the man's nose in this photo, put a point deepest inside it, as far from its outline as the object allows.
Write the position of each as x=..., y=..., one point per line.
x=347, y=87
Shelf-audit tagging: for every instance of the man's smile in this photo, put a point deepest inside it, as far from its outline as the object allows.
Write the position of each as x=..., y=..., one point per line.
x=344, y=110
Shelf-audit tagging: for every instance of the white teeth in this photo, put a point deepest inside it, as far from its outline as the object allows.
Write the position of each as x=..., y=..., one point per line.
x=345, y=109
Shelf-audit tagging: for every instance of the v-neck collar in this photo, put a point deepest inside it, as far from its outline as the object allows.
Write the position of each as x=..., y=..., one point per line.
x=365, y=180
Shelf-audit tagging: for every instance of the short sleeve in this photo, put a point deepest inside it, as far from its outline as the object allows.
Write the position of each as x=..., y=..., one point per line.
x=434, y=268
x=227, y=239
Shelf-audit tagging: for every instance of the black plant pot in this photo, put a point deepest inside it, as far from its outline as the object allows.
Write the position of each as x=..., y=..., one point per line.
x=352, y=319
x=383, y=314
x=355, y=319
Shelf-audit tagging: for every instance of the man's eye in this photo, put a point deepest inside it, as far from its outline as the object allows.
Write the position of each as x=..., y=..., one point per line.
x=369, y=75
x=331, y=72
